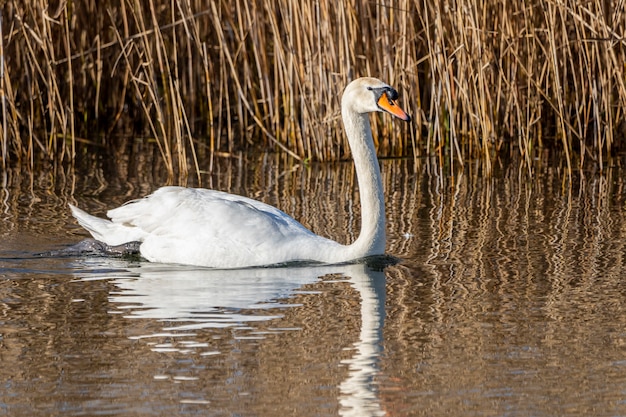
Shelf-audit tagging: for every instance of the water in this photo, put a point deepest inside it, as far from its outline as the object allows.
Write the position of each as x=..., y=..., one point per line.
x=509, y=300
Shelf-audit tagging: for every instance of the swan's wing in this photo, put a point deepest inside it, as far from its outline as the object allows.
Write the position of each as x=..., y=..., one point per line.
x=178, y=210
x=212, y=228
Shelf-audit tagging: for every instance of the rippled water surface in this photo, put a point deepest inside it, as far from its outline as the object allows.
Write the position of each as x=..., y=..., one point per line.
x=509, y=300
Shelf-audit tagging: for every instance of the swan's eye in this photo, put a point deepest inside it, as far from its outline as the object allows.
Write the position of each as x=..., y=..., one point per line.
x=392, y=94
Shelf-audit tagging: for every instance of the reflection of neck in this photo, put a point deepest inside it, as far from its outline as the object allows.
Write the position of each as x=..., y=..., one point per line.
x=358, y=394
x=371, y=241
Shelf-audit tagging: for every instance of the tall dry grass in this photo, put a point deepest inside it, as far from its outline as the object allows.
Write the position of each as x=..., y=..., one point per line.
x=482, y=77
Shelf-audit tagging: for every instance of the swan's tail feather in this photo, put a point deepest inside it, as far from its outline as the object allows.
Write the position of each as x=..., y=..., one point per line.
x=105, y=230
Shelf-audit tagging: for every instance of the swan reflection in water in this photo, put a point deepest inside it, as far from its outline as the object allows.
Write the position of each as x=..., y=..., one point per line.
x=200, y=298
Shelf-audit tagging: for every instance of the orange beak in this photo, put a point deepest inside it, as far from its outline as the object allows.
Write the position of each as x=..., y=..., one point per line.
x=390, y=106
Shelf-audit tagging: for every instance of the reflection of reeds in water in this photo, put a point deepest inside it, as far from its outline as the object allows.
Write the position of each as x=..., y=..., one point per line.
x=498, y=272
x=224, y=76
x=507, y=274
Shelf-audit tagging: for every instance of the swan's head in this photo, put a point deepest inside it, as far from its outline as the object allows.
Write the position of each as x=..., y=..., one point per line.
x=366, y=95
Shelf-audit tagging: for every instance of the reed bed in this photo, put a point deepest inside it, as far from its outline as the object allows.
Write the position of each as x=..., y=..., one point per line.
x=482, y=78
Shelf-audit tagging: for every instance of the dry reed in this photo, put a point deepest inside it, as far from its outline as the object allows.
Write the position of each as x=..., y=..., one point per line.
x=482, y=77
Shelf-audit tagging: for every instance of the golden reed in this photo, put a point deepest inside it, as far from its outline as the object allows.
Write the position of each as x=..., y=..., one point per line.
x=481, y=77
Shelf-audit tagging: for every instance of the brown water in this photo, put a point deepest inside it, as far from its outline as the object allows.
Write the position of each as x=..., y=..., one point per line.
x=509, y=300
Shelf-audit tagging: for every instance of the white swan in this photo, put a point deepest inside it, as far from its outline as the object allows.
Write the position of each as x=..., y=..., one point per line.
x=211, y=228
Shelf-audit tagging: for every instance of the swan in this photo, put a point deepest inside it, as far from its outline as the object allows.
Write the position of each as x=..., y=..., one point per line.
x=202, y=227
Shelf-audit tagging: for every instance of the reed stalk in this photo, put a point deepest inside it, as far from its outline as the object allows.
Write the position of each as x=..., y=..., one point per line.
x=3, y=99
x=482, y=77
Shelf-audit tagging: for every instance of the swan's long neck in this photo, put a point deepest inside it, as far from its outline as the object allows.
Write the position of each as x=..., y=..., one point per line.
x=372, y=239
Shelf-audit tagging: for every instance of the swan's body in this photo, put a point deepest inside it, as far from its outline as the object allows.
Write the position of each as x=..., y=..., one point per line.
x=211, y=228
